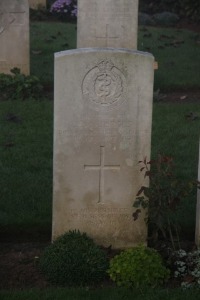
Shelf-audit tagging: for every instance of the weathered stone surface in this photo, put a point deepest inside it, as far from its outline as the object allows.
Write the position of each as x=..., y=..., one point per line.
x=35, y=4
x=14, y=35
x=102, y=128
x=109, y=23
x=197, y=232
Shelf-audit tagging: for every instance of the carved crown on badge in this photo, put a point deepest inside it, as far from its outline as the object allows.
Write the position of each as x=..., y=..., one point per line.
x=105, y=65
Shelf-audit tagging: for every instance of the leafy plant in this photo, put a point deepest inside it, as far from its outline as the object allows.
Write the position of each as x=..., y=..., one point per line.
x=73, y=259
x=162, y=198
x=19, y=86
x=138, y=267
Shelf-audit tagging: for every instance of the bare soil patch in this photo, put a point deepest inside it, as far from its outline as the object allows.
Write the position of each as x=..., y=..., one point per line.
x=181, y=97
x=18, y=266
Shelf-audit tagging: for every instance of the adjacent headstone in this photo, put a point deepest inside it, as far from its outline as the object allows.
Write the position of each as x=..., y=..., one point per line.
x=14, y=35
x=35, y=4
x=108, y=23
x=197, y=232
x=102, y=128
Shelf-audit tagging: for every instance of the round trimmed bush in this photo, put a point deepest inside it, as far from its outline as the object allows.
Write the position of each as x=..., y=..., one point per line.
x=138, y=267
x=73, y=259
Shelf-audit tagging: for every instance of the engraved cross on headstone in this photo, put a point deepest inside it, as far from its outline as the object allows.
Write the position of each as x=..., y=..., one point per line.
x=109, y=23
x=107, y=36
x=5, y=20
x=101, y=168
x=8, y=18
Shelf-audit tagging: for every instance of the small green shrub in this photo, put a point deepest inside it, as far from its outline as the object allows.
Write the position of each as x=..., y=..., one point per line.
x=73, y=259
x=138, y=267
x=17, y=86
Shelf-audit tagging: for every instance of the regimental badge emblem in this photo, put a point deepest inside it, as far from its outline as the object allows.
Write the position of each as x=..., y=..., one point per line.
x=104, y=85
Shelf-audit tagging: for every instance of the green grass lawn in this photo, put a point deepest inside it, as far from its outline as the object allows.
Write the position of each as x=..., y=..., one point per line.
x=176, y=136
x=46, y=39
x=26, y=146
x=26, y=165
x=26, y=142
x=100, y=294
x=176, y=51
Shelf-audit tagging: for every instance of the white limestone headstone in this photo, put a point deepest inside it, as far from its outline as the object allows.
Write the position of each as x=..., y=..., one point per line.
x=197, y=232
x=108, y=23
x=14, y=35
x=102, y=128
